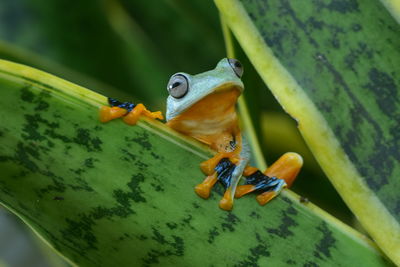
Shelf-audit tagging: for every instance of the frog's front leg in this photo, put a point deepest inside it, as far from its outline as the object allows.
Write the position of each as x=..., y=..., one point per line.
x=227, y=168
x=208, y=166
x=226, y=202
x=128, y=110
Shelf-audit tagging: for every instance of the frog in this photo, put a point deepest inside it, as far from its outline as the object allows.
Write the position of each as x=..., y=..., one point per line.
x=203, y=106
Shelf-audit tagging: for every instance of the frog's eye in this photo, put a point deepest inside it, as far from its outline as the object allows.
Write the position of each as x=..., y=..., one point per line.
x=236, y=66
x=178, y=86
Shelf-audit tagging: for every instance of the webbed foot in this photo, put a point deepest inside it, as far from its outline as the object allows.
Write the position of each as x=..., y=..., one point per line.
x=279, y=175
x=140, y=109
x=208, y=166
x=287, y=167
x=128, y=110
x=227, y=173
x=110, y=113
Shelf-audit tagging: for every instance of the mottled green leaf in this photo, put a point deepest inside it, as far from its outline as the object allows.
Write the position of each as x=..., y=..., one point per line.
x=116, y=195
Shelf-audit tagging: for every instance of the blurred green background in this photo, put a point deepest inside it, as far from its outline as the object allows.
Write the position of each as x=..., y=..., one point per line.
x=128, y=49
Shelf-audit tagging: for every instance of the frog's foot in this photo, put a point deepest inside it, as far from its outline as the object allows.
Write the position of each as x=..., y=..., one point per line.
x=138, y=110
x=208, y=166
x=110, y=113
x=242, y=190
x=249, y=170
x=116, y=110
x=222, y=172
x=128, y=110
x=228, y=174
x=259, y=182
x=286, y=168
x=204, y=189
x=265, y=197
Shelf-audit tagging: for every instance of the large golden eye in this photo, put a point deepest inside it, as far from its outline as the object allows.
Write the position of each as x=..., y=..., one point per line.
x=236, y=66
x=178, y=86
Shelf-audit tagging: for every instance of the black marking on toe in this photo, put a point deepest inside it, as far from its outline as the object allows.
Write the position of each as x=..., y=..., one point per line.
x=262, y=182
x=224, y=170
x=125, y=105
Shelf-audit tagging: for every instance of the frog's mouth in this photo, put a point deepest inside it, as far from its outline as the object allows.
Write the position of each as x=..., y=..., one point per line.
x=213, y=113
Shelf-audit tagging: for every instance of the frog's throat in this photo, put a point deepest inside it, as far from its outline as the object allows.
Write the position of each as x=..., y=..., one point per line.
x=210, y=117
x=177, y=107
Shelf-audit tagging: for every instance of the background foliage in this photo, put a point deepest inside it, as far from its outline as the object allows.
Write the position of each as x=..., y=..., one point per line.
x=128, y=49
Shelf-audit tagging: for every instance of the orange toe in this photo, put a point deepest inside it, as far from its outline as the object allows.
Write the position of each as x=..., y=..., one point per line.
x=110, y=113
x=249, y=170
x=226, y=202
x=242, y=190
x=153, y=115
x=204, y=189
x=209, y=165
x=265, y=197
x=134, y=115
x=286, y=167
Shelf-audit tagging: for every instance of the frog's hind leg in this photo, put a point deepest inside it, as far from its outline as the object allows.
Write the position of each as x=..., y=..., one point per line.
x=279, y=175
x=287, y=167
x=227, y=168
x=276, y=186
x=230, y=177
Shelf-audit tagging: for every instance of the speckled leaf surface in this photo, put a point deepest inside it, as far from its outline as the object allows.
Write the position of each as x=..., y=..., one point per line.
x=115, y=195
x=353, y=81
x=343, y=57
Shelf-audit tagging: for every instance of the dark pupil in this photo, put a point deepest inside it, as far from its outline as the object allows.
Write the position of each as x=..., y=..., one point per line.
x=176, y=84
x=237, y=64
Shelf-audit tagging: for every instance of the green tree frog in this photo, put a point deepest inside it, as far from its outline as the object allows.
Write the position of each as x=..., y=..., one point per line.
x=203, y=106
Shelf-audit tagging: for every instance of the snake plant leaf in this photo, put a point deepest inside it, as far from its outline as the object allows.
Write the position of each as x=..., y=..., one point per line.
x=116, y=195
x=334, y=67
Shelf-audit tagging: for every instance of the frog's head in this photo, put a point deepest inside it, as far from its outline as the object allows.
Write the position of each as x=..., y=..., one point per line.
x=217, y=86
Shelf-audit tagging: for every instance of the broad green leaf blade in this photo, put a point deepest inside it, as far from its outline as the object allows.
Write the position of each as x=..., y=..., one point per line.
x=335, y=70
x=115, y=195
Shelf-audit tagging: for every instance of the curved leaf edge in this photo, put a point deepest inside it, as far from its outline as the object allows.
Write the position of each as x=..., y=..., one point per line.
x=82, y=96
